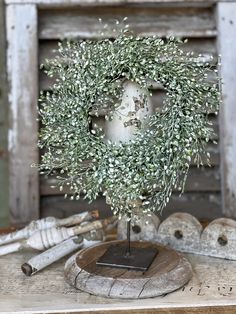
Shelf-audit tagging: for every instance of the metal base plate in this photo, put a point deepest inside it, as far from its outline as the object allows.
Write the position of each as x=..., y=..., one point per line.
x=117, y=256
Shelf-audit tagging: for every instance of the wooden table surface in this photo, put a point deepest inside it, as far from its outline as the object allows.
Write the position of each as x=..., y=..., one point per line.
x=211, y=290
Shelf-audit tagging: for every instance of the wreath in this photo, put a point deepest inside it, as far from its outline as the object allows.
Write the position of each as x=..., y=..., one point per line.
x=89, y=79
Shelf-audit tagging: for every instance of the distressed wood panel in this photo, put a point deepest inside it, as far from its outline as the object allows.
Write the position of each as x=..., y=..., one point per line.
x=203, y=187
x=48, y=50
x=203, y=205
x=227, y=49
x=199, y=179
x=66, y=3
x=23, y=94
x=169, y=271
x=58, y=206
x=205, y=46
x=46, y=82
x=145, y=21
x=4, y=217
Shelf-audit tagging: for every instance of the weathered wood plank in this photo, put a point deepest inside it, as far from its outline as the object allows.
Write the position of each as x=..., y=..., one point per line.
x=23, y=94
x=199, y=180
x=169, y=271
x=66, y=3
x=205, y=206
x=145, y=21
x=46, y=83
x=60, y=207
x=206, y=46
x=4, y=213
x=48, y=50
x=227, y=49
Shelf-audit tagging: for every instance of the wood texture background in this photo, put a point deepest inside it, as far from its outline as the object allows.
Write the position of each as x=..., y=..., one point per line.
x=42, y=23
x=23, y=94
x=198, y=24
x=4, y=217
x=227, y=48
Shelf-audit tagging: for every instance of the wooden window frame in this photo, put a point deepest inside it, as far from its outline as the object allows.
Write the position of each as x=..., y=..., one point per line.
x=22, y=72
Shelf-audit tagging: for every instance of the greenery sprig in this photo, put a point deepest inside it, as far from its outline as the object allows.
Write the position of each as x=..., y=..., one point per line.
x=90, y=76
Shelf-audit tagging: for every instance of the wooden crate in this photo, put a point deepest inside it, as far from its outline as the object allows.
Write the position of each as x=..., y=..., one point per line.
x=33, y=29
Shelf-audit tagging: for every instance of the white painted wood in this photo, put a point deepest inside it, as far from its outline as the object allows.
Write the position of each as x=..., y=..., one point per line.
x=227, y=49
x=159, y=22
x=204, y=48
x=213, y=284
x=62, y=249
x=45, y=223
x=22, y=64
x=133, y=109
x=9, y=248
x=107, y=2
x=46, y=238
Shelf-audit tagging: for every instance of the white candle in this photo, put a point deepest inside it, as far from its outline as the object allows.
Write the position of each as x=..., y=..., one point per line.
x=133, y=109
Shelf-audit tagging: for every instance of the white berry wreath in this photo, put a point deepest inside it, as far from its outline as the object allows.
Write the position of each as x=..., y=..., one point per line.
x=90, y=76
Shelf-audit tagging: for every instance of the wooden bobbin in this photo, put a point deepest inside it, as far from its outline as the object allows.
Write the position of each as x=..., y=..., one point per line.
x=142, y=228
x=169, y=271
x=180, y=230
x=219, y=238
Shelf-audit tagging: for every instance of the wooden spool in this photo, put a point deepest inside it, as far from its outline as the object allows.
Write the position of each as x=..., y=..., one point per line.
x=169, y=271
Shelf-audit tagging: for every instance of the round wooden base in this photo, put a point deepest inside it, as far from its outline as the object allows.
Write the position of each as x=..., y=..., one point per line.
x=169, y=271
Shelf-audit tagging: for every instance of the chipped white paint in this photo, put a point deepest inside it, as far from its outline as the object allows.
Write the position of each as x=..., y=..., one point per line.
x=132, y=108
x=22, y=63
x=74, y=25
x=183, y=232
x=13, y=247
x=44, y=239
x=62, y=249
x=45, y=223
x=227, y=49
x=106, y=2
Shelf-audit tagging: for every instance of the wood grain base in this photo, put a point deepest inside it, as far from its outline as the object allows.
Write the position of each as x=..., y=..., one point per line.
x=169, y=271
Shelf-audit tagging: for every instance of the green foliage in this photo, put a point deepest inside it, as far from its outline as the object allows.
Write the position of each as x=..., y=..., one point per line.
x=90, y=76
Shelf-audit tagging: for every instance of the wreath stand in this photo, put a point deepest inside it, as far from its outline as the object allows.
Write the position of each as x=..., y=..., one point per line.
x=124, y=269
x=127, y=269
x=169, y=270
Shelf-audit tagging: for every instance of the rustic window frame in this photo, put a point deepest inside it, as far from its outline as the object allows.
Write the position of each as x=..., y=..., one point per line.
x=22, y=72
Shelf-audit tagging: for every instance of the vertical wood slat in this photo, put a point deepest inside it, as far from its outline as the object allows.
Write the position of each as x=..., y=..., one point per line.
x=3, y=123
x=226, y=13
x=22, y=66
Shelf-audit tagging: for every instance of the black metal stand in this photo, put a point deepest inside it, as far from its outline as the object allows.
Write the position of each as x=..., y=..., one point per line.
x=125, y=256
x=128, y=251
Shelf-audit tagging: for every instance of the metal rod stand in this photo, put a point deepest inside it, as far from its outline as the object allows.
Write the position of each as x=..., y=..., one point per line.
x=122, y=255
x=128, y=250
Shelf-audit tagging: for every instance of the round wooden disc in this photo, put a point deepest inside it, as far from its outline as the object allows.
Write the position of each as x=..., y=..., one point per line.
x=169, y=271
